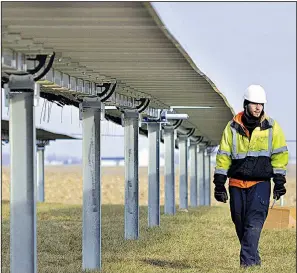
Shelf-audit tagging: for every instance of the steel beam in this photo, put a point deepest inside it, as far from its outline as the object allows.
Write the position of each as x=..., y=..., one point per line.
x=154, y=174
x=193, y=175
x=81, y=84
x=183, y=131
x=91, y=241
x=22, y=202
x=131, y=121
x=58, y=78
x=183, y=172
x=169, y=170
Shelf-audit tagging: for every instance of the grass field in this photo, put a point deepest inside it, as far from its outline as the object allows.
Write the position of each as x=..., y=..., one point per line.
x=202, y=240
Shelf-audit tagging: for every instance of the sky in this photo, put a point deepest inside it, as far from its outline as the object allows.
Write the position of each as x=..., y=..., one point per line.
x=235, y=44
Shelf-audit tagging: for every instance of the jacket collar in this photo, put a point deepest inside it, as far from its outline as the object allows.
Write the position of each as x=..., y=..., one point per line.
x=241, y=129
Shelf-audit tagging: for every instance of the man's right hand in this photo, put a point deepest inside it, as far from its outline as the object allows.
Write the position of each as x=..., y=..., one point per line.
x=220, y=193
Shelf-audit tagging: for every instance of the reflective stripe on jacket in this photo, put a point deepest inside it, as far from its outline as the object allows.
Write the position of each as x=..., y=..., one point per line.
x=252, y=158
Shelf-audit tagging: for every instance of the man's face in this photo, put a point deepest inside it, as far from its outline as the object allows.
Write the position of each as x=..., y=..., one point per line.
x=255, y=109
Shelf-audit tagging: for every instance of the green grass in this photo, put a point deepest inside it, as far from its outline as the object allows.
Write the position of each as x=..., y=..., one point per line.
x=202, y=240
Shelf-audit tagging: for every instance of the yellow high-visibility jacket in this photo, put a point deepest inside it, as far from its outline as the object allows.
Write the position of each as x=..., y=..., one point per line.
x=252, y=158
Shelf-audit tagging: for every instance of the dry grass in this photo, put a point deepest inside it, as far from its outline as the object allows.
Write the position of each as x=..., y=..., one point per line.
x=63, y=184
x=202, y=240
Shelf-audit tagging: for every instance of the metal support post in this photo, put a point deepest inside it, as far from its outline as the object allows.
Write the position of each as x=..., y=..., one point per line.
x=193, y=175
x=183, y=172
x=210, y=179
x=91, y=244
x=22, y=202
x=1, y=180
x=201, y=175
x=40, y=172
x=154, y=174
x=131, y=122
x=207, y=180
x=169, y=172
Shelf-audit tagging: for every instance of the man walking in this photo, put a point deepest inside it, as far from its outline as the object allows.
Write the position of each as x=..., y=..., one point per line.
x=252, y=151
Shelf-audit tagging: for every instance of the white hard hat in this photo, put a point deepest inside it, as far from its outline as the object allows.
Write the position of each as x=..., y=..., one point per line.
x=255, y=93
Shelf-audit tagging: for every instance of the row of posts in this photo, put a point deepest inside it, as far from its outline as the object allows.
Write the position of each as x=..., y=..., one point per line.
x=23, y=237
x=199, y=177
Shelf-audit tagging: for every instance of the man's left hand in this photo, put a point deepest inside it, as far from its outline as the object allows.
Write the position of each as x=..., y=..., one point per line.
x=278, y=191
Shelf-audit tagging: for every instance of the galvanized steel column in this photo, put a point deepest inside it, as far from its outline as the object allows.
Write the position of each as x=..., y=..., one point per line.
x=91, y=244
x=169, y=172
x=154, y=175
x=131, y=129
x=210, y=179
x=193, y=175
x=36, y=86
x=207, y=179
x=40, y=173
x=22, y=220
x=183, y=172
x=201, y=175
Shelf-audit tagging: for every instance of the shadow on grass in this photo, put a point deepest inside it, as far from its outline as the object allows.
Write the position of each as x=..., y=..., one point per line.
x=167, y=264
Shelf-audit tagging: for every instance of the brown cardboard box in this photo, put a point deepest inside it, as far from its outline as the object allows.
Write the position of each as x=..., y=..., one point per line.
x=281, y=217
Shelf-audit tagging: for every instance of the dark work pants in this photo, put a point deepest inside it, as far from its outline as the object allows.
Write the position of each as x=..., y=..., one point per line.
x=249, y=209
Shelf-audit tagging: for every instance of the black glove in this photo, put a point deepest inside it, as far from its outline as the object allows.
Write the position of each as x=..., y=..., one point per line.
x=279, y=186
x=220, y=193
x=278, y=191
